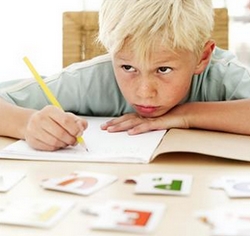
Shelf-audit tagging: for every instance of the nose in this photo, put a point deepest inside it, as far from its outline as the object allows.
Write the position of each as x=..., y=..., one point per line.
x=146, y=88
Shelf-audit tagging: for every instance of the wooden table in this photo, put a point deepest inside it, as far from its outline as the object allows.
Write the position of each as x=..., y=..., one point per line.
x=179, y=219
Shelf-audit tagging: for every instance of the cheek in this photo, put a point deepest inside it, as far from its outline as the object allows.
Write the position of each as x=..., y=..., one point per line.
x=183, y=88
x=120, y=80
x=174, y=92
x=124, y=84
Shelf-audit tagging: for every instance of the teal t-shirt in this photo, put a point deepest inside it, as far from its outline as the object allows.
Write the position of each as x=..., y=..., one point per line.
x=90, y=88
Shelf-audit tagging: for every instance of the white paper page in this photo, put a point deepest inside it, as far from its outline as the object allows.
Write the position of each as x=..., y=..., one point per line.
x=102, y=146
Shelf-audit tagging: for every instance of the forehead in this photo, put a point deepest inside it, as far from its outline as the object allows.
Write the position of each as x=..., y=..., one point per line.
x=158, y=52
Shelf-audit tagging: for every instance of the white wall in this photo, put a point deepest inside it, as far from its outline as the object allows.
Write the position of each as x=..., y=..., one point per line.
x=33, y=28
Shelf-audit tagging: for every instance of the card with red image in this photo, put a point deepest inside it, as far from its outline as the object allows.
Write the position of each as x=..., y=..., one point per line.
x=129, y=216
x=79, y=182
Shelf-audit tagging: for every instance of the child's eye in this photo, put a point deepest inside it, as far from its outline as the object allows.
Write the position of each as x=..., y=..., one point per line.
x=128, y=68
x=164, y=70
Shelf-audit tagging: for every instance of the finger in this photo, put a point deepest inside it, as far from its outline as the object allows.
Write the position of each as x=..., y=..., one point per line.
x=117, y=121
x=82, y=124
x=111, y=123
x=38, y=145
x=41, y=129
x=72, y=124
x=45, y=129
x=53, y=133
x=148, y=125
x=125, y=125
x=51, y=143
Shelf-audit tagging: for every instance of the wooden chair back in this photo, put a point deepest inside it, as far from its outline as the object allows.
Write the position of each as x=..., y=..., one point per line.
x=80, y=30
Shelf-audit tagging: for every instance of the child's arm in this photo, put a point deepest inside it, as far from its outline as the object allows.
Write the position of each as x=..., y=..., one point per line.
x=227, y=116
x=48, y=129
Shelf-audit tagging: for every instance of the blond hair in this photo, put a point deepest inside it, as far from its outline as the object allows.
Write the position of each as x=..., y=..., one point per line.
x=178, y=24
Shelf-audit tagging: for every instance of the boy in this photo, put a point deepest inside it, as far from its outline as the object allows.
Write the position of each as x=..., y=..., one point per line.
x=162, y=71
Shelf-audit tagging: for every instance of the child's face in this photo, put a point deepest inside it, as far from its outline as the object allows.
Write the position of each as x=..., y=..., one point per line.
x=154, y=88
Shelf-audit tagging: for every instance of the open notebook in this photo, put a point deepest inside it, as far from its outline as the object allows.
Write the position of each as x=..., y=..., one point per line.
x=143, y=148
x=102, y=147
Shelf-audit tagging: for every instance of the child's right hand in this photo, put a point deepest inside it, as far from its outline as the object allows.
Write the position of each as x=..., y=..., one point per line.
x=51, y=128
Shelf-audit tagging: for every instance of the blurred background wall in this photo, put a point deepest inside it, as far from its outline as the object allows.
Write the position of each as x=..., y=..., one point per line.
x=34, y=29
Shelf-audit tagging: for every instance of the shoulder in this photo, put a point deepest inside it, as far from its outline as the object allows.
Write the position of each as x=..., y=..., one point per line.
x=97, y=63
x=225, y=78
x=224, y=63
x=229, y=75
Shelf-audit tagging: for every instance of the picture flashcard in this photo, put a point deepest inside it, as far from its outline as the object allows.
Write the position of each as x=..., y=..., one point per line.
x=79, y=182
x=162, y=183
x=9, y=179
x=129, y=216
x=234, y=186
x=233, y=220
x=42, y=213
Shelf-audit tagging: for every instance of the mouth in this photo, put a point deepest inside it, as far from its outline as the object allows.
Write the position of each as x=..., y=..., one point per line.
x=145, y=110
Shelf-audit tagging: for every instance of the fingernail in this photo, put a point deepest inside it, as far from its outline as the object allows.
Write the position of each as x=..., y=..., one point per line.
x=110, y=128
x=79, y=134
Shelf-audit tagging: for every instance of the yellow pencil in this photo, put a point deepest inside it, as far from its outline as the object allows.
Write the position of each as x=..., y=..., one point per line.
x=48, y=93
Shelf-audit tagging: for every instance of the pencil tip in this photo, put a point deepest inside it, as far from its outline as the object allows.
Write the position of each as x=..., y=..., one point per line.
x=82, y=143
x=84, y=146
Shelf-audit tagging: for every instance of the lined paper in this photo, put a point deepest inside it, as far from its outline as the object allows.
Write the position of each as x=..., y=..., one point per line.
x=102, y=145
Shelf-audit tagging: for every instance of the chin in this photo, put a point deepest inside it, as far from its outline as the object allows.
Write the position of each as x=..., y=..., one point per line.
x=150, y=115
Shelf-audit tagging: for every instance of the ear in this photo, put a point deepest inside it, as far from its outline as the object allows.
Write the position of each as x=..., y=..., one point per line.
x=205, y=57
